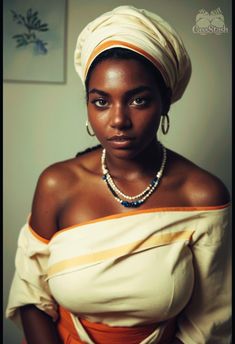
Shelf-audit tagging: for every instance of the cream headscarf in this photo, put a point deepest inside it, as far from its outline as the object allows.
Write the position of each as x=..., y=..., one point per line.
x=143, y=32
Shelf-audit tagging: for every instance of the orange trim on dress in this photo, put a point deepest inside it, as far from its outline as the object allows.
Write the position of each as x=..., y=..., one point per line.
x=39, y=237
x=125, y=214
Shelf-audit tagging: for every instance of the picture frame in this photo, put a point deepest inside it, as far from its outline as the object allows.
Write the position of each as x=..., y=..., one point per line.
x=34, y=41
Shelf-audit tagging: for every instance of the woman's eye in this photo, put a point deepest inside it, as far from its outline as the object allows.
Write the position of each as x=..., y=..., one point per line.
x=139, y=101
x=99, y=102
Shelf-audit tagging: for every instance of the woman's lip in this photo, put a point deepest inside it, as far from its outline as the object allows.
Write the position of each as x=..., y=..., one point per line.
x=120, y=142
x=120, y=138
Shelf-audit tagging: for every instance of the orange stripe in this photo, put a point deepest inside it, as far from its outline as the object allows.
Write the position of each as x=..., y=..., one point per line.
x=114, y=43
x=45, y=241
x=136, y=246
x=136, y=212
x=124, y=214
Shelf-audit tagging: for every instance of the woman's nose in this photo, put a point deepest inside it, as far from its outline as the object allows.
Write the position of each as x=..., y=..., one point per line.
x=120, y=118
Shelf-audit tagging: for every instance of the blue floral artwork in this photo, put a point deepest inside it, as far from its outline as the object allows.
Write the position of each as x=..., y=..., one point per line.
x=34, y=41
x=33, y=25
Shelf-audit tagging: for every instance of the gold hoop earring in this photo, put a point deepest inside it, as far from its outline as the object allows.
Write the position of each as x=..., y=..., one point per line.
x=88, y=129
x=165, y=124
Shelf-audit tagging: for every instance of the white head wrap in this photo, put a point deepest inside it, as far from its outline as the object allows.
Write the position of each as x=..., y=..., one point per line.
x=143, y=32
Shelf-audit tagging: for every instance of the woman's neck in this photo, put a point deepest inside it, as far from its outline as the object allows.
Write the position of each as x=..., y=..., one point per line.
x=146, y=163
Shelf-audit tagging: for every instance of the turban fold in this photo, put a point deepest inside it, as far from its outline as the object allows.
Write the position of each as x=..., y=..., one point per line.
x=141, y=31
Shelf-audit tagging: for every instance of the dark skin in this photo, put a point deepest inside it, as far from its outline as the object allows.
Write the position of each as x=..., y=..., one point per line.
x=122, y=99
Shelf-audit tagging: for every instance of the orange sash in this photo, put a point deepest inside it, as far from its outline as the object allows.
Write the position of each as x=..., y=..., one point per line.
x=101, y=333
x=105, y=334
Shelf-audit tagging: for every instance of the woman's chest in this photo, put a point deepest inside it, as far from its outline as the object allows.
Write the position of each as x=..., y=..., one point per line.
x=94, y=200
x=145, y=279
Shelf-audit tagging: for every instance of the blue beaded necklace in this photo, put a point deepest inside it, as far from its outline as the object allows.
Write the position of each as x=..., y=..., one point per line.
x=136, y=200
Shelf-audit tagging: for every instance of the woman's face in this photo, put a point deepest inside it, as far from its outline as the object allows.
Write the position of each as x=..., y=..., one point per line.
x=124, y=106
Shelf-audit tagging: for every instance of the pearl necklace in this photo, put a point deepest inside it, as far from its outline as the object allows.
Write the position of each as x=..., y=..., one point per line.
x=139, y=199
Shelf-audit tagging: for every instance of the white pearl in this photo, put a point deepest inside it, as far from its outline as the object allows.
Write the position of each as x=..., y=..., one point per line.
x=147, y=191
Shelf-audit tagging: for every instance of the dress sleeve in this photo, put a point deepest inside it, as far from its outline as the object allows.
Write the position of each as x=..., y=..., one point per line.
x=207, y=317
x=29, y=285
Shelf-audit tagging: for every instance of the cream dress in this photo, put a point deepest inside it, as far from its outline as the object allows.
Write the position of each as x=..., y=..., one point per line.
x=131, y=269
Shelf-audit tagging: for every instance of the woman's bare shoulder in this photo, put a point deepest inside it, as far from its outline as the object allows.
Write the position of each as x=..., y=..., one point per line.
x=56, y=184
x=61, y=176
x=201, y=188
x=58, y=175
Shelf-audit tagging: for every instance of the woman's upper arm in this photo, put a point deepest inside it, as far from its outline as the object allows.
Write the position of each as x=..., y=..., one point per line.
x=47, y=201
x=207, y=316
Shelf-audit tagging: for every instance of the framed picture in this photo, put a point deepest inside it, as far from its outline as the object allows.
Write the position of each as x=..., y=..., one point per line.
x=34, y=40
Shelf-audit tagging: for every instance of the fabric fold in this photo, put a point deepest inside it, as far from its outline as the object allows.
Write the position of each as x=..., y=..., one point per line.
x=29, y=284
x=131, y=270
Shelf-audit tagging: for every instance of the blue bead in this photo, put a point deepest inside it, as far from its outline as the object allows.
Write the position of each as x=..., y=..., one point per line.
x=131, y=204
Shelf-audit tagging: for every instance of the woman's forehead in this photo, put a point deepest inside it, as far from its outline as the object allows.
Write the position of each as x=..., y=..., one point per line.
x=115, y=71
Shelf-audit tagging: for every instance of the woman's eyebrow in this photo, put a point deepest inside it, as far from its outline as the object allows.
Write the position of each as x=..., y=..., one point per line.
x=128, y=93
x=100, y=92
x=137, y=90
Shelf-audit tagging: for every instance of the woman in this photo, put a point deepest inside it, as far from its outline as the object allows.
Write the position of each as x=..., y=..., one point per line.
x=127, y=242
